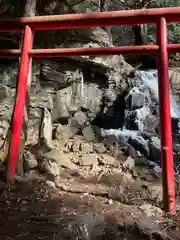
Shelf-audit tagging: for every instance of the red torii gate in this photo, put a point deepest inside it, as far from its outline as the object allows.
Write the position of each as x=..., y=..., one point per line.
x=158, y=16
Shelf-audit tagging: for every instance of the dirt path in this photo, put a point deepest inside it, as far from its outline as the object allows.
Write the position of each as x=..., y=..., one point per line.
x=34, y=211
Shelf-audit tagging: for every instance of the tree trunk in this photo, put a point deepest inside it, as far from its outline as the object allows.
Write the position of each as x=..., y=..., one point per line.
x=29, y=11
x=140, y=34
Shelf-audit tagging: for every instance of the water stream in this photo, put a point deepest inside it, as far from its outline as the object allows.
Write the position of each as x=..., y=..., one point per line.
x=150, y=80
x=144, y=80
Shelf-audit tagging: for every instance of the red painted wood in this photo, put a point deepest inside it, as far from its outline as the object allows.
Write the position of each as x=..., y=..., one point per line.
x=92, y=19
x=165, y=120
x=62, y=52
x=18, y=114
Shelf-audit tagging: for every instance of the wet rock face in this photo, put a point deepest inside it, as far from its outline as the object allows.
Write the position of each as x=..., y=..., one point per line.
x=175, y=125
x=63, y=88
x=154, y=148
x=69, y=91
x=141, y=126
x=138, y=108
x=80, y=91
x=136, y=99
x=140, y=144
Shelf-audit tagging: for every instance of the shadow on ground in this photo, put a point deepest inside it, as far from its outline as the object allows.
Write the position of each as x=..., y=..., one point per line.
x=35, y=211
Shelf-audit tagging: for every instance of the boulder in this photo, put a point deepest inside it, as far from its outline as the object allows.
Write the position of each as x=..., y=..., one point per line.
x=130, y=151
x=77, y=122
x=60, y=158
x=108, y=160
x=76, y=146
x=140, y=144
x=89, y=133
x=154, y=149
x=50, y=167
x=129, y=163
x=99, y=148
x=30, y=161
x=86, y=147
x=62, y=133
x=141, y=161
x=88, y=160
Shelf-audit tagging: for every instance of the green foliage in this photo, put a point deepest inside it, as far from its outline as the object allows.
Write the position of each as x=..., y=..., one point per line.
x=173, y=28
x=165, y=3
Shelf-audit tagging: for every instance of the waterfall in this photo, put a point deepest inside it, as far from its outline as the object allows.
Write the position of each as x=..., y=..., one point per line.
x=118, y=134
x=141, y=120
x=150, y=80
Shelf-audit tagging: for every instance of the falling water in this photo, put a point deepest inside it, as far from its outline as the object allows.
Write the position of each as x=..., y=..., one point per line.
x=145, y=80
x=118, y=134
x=149, y=79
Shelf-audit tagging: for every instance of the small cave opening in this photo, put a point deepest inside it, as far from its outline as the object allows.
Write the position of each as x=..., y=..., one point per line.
x=113, y=117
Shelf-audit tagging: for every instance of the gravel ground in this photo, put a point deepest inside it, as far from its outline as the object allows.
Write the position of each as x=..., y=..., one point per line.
x=34, y=210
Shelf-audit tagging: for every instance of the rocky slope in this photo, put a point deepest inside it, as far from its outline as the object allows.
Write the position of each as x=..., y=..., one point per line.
x=64, y=86
x=87, y=188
